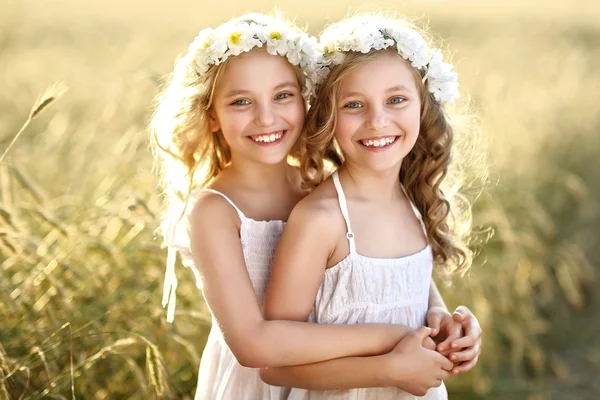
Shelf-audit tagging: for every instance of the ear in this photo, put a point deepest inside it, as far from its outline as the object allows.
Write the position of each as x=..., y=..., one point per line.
x=213, y=122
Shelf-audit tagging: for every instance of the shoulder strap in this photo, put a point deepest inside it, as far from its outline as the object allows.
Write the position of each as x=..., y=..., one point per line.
x=416, y=211
x=240, y=213
x=344, y=209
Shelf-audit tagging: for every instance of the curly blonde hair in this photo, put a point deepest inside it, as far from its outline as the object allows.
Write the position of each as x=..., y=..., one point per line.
x=435, y=159
x=187, y=153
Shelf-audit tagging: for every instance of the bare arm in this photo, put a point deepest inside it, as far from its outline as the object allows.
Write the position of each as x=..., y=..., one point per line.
x=217, y=254
x=296, y=275
x=410, y=366
x=343, y=373
x=435, y=297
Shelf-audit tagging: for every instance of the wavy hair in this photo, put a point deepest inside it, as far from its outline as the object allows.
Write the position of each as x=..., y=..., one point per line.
x=187, y=154
x=433, y=173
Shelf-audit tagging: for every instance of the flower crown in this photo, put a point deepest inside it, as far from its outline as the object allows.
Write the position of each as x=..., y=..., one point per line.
x=214, y=46
x=363, y=34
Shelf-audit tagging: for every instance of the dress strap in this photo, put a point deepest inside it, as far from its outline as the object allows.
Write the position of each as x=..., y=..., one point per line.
x=415, y=210
x=240, y=213
x=344, y=209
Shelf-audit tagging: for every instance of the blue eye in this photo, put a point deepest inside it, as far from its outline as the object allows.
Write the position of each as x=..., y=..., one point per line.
x=282, y=96
x=240, y=102
x=397, y=100
x=353, y=104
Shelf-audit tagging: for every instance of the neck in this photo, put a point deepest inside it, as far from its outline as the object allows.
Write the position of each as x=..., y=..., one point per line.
x=372, y=185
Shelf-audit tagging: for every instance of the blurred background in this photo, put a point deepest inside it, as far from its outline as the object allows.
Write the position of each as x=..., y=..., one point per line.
x=81, y=262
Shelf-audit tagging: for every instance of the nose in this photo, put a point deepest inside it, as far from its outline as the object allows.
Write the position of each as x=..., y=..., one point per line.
x=265, y=116
x=377, y=118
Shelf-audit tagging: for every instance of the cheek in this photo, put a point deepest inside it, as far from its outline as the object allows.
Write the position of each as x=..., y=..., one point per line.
x=411, y=122
x=295, y=114
x=415, y=126
x=299, y=116
x=345, y=127
x=234, y=123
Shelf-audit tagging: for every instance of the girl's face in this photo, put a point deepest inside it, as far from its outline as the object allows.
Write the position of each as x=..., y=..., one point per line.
x=258, y=107
x=378, y=113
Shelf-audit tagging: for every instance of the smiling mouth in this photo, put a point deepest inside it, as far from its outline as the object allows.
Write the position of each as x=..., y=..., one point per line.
x=267, y=138
x=379, y=142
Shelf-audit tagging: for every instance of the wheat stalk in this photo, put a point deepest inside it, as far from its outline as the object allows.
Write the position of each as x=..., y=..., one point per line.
x=4, y=369
x=155, y=370
x=48, y=97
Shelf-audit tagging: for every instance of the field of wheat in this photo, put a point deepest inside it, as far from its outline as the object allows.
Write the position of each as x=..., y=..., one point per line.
x=81, y=263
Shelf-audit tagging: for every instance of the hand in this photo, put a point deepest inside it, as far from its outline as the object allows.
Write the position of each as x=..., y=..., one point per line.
x=444, y=329
x=429, y=344
x=414, y=368
x=465, y=350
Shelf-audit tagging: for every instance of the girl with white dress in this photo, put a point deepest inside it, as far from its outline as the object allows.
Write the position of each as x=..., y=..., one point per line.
x=224, y=129
x=361, y=247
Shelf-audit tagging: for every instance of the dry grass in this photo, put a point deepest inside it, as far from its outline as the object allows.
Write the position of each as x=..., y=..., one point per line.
x=80, y=265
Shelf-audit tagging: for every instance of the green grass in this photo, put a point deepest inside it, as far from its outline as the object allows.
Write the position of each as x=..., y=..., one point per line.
x=80, y=259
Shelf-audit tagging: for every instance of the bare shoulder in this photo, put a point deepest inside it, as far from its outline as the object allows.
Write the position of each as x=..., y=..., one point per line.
x=210, y=209
x=319, y=209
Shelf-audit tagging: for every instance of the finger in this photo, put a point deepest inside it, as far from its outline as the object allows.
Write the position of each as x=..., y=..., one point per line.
x=429, y=344
x=465, y=367
x=445, y=345
x=434, y=321
x=468, y=320
x=445, y=364
x=446, y=353
x=420, y=334
x=444, y=375
x=461, y=313
x=458, y=317
x=472, y=328
x=464, y=356
x=455, y=332
x=464, y=342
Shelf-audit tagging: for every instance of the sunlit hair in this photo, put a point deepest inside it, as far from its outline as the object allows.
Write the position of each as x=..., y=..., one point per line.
x=433, y=173
x=187, y=154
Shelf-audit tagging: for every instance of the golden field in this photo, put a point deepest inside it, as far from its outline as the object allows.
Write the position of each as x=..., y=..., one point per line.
x=81, y=262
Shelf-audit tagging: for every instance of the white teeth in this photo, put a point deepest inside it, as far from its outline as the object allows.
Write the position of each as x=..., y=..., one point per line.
x=267, y=138
x=379, y=142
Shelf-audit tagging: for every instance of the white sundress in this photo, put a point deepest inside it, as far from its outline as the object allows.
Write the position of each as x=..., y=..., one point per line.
x=221, y=377
x=362, y=289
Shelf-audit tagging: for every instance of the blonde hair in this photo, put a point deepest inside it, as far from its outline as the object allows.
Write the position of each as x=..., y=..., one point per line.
x=187, y=153
x=446, y=214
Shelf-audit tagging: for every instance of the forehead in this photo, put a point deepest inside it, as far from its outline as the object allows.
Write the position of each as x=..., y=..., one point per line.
x=255, y=69
x=387, y=69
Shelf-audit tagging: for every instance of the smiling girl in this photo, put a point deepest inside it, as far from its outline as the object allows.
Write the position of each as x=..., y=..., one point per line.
x=361, y=247
x=224, y=129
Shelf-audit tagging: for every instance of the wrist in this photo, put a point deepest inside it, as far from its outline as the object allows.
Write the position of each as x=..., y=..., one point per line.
x=389, y=338
x=392, y=373
x=387, y=377
x=403, y=331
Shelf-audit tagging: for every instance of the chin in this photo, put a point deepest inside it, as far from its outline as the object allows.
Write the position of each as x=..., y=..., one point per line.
x=273, y=159
x=382, y=165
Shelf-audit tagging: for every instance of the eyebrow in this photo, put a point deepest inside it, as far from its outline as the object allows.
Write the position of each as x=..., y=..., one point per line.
x=396, y=88
x=278, y=87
